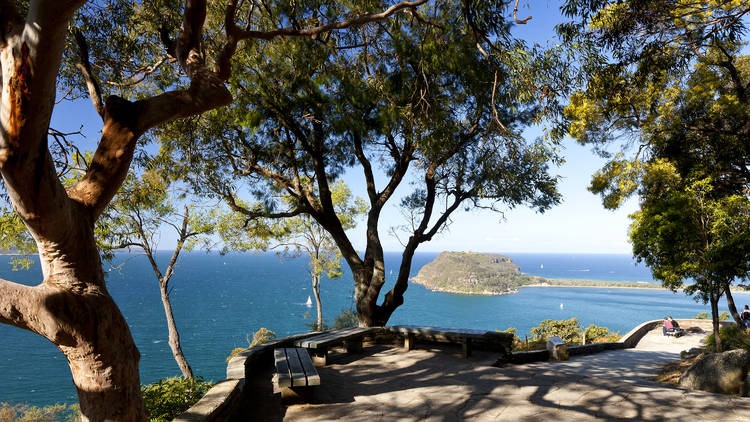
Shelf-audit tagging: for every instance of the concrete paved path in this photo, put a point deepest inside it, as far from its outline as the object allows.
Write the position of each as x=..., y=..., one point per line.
x=436, y=384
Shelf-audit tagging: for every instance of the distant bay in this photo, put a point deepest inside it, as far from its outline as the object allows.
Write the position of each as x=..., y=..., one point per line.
x=219, y=301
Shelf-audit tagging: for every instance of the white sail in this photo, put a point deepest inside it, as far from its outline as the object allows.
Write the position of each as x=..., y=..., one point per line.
x=309, y=302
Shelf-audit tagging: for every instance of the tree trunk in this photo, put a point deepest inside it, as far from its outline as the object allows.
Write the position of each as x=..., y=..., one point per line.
x=715, y=321
x=318, y=304
x=174, y=336
x=73, y=309
x=733, y=308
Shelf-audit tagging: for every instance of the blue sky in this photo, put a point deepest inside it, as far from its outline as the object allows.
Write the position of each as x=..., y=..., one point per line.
x=579, y=225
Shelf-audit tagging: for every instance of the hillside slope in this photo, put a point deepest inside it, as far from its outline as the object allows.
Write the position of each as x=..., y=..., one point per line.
x=473, y=273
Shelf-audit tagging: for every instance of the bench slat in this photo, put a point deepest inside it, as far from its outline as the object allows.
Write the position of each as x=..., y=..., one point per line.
x=325, y=339
x=295, y=367
x=310, y=372
x=284, y=378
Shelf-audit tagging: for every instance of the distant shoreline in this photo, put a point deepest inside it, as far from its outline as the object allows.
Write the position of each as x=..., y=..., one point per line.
x=604, y=285
x=557, y=282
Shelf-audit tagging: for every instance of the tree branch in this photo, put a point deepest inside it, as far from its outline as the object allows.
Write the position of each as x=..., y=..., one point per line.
x=84, y=66
x=515, y=17
x=236, y=34
x=17, y=303
x=366, y=166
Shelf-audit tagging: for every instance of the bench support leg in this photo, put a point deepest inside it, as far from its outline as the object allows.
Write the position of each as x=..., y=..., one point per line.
x=353, y=346
x=409, y=341
x=318, y=356
x=466, y=345
x=296, y=394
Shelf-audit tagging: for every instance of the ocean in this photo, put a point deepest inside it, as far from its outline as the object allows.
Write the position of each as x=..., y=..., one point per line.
x=219, y=301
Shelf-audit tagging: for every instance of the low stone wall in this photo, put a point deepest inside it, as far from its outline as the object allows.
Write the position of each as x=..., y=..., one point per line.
x=219, y=401
x=222, y=398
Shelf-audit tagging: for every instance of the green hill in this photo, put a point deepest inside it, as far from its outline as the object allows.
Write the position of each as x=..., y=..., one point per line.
x=473, y=273
x=495, y=274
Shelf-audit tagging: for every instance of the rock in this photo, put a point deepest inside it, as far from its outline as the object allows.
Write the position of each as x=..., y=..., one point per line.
x=719, y=373
x=557, y=348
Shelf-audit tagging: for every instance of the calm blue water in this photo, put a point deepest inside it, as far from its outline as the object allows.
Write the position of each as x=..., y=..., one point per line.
x=219, y=301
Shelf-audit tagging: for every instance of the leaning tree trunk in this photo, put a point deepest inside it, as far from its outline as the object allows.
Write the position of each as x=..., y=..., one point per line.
x=174, y=336
x=318, y=303
x=733, y=308
x=715, y=320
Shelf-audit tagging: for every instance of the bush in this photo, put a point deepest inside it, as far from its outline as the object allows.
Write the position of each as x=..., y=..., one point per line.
x=732, y=337
x=595, y=334
x=167, y=398
x=724, y=316
x=347, y=318
x=568, y=330
x=27, y=413
x=263, y=335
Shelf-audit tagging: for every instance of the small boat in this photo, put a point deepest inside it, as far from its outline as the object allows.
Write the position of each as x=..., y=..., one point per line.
x=561, y=306
x=309, y=302
x=541, y=267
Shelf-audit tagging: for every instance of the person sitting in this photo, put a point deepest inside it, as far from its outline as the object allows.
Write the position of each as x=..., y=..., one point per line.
x=745, y=316
x=667, y=326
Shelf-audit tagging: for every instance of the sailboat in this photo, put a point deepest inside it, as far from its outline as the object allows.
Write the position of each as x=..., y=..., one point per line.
x=309, y=302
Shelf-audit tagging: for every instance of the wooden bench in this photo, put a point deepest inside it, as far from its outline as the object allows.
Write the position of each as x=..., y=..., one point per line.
x=295, y=373
x=351, y=338
x=675, y=332
x=459, y=335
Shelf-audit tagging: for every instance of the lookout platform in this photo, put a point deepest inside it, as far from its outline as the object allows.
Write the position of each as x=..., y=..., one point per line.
x=387, y=383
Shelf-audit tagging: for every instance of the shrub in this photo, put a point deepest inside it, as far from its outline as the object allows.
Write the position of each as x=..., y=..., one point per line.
x=568, y=330
x=167, y=398
x=347, y=318
x=724, y=316
x=27, y=413
x=595, y=334
x=263, y=335
x=732, y=337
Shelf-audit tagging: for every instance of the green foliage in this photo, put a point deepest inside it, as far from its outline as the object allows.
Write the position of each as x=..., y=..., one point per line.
x=568, y=330
x=14, y=238
x=683, y=231
x=732, y=337
x=702, y=315
x=724, y=316
x=263, y=335
x=347, y=318
x=26, y=413
x=517, y=343
x=308, y=113
x=468, y=272
x=167, y=398
x=596, y=334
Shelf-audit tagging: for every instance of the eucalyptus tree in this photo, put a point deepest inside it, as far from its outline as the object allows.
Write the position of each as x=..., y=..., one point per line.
x=438, y=97
x=135, y=218
x=685, y=231
x=666, y=80
x=295, y=236
x=142, y=64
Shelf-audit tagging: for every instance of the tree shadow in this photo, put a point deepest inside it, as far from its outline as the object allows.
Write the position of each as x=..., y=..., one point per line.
x=435, y=383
